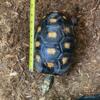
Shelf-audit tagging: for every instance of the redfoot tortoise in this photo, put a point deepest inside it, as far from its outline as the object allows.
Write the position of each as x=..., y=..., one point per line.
x=54, y=42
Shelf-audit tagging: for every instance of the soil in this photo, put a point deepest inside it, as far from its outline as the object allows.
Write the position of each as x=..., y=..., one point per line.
x=16, y=82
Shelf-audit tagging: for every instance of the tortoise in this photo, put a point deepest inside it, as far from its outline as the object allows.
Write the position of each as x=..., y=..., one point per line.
x=54, y=43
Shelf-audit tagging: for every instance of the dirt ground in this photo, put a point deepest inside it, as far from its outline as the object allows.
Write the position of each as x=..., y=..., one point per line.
x=16, y=82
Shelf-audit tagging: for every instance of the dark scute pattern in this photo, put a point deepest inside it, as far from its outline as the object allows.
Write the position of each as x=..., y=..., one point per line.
x=56, y=43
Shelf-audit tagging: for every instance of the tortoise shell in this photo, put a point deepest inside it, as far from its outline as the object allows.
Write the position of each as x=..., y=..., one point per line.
x=54, y=43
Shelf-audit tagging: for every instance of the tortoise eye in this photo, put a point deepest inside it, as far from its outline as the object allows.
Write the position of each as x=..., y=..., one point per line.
x=52, y=20
x=52, y=34
x=50, y=64
x=66, y=45
x=51, y=51
x=64, y=60
x=39, y=29
x=37, y=44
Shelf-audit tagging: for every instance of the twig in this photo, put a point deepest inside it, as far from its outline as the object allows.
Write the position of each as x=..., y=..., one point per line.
x=96, y=6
